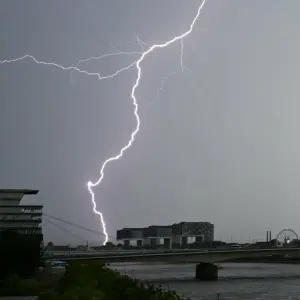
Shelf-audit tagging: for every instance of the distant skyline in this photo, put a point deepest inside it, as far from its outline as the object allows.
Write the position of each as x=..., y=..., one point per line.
x=220, y=144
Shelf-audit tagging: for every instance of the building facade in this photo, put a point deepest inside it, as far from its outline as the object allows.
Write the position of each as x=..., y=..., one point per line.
x=154, y=234
x=127, y=235
x=173, y=236
x=202, y=231
x=25, y=219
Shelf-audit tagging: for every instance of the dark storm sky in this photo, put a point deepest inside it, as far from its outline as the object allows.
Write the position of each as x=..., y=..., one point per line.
x=221, y=144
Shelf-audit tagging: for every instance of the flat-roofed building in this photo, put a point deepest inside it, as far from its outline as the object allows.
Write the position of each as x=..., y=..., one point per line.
x=155, y=233
x=178, y=235
x=131, y=236
x=26, y=219
x=202, y=232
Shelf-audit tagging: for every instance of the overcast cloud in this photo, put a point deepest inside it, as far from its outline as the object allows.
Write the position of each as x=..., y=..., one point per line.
x=221, y=144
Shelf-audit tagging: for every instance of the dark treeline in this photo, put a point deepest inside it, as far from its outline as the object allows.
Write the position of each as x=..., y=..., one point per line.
x=19, y=253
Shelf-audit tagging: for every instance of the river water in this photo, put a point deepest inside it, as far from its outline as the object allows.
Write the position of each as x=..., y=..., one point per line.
x=236, y=280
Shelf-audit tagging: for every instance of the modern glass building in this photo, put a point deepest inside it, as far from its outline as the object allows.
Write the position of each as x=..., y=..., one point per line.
x=26, y=219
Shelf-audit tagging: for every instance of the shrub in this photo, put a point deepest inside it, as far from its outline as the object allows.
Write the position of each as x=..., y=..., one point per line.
x=90, y=280
x=13, y=285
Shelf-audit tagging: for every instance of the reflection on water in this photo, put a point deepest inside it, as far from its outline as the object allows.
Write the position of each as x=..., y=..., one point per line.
x=237, y=280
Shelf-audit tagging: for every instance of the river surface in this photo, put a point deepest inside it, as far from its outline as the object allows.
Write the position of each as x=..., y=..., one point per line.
x=236, y=280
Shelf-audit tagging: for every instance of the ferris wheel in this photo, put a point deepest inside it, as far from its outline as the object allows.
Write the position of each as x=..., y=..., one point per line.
x=286, y=236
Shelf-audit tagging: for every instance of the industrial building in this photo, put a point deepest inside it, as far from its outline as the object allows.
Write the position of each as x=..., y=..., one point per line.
x=26, y=219
x=131, y=234
x=168, y=236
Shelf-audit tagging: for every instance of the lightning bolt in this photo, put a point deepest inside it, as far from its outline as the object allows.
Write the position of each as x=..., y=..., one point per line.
x=104, y=56
x=137, y=64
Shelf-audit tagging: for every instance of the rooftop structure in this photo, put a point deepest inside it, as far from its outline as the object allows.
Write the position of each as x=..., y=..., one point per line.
x=25, y=219
x=19, y=191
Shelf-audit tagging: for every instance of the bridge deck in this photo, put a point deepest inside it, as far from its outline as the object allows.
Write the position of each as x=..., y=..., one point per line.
x=192, y=256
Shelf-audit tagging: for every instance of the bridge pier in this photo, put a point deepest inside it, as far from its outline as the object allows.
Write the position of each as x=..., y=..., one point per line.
x=206, y=271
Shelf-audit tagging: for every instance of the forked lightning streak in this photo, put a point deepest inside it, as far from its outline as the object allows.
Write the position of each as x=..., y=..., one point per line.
x=137, y=65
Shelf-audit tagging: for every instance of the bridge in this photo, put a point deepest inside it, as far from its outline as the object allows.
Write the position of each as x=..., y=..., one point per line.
x=205, y=259
x=91, y=253
x=211, y=256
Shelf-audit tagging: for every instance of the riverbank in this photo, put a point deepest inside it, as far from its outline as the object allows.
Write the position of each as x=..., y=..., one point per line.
x=86, y=281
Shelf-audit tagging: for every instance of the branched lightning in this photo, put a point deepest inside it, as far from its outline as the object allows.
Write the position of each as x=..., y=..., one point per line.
x=162, y=85
x=137, y=64
x=136, y=130
x=71, y=68
x=104, y=56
